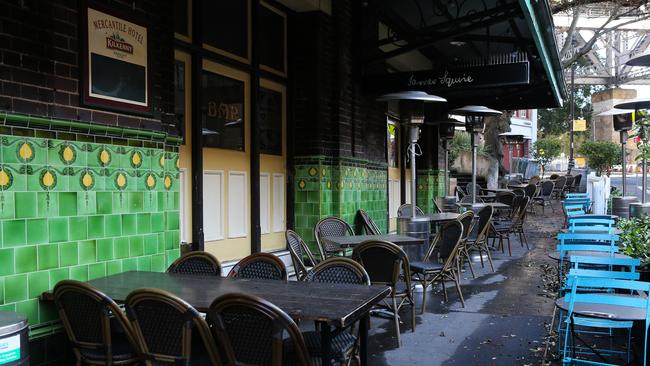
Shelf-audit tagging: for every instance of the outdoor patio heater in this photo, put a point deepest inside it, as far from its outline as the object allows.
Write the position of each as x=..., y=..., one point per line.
x=637, y=209
x=623, y=122
x=474, y=123
x=511, y=139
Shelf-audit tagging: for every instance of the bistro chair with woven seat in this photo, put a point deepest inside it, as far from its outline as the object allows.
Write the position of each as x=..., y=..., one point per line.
x=506, y=198
x=405, y=211
x=534, y=179
x=467, y=220
x=468, y=188
x=502, y=230
x=299, y=251
x=169, y=330
x=337, y=270
x=330, y=226
x=369, y=224
x=196, y=263
x=554, y=176
x=443, y=266
x=460, y=192
x=480, y=243
x=264, y=266
x=253, y=331
x=544, y=196
x=388, y=265
x=559, y=187
x=576, y=184
x=568, y=186
x=99, y=332
x=530, y=190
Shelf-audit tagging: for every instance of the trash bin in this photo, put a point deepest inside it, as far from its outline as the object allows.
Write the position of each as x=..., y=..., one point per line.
x=14, y=342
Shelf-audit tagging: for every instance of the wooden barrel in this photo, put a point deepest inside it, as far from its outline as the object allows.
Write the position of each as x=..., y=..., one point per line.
x=621, y=205
x=639, y=209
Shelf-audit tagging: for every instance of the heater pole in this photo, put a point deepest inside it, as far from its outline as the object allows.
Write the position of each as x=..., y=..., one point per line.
x=510, y=159
x=446, y=169
x=474, y=149
x=623, y=158
x=413, y=183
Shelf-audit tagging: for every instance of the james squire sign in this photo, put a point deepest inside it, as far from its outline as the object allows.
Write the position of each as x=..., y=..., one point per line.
x=116, y=64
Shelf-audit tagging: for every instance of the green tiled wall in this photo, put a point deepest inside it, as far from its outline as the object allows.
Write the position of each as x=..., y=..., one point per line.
x=431, y=184
x=338, y=187
x=80, y=210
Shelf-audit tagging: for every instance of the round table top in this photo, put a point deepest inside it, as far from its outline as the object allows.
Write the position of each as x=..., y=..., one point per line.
x=587, y=253
x=605, y=230
x=497, y=190
x=441, y=216
x=586, y=216
x=605, y=311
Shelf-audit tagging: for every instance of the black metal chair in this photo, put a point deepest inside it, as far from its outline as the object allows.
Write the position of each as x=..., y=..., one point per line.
x=460, y=192
x=467, y=220
x=530, y=190
x=568, y=186
x=330, y=226
x=468, y=189
x=544, y=196
x=99, y=332
x=169, y=330
x=196, y=263
x=264, y=266
x=534, y=180
x=388, y=265
x=502, y=230
x=480, y=243
x=369, y=224
x=554, y=176
x=442, y=267
x=251, y=331
x=299, y=251
x=405, y=210
x=576, y=183
x=560, y=182
x=337, y=270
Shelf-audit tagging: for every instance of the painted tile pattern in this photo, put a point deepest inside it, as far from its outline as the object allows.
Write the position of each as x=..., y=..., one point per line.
x=431, y=184
x=338, y=187
x=81, y=210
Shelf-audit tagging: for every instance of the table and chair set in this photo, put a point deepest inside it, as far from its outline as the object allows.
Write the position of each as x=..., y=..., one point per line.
x=600, y=296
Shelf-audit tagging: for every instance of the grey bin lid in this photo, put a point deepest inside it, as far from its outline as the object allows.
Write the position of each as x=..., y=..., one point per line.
x=11, y=322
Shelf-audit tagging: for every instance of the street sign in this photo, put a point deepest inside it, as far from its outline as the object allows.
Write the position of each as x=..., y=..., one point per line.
x=579, y=125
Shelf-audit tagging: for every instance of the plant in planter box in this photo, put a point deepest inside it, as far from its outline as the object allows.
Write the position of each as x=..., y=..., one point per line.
x=635, y=238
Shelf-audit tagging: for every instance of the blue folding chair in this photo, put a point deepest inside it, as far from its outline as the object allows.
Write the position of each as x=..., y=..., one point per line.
x=584, y=242
x=614, y=292
x=588, y=224
x=577, y=195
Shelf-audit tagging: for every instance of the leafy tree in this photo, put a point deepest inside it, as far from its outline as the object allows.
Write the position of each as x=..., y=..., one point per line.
x=601, y=155
x=554, y=122
x=545, y=150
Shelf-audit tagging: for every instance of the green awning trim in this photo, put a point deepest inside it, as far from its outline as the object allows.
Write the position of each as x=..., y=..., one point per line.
x=29, y=121
x=544, y=47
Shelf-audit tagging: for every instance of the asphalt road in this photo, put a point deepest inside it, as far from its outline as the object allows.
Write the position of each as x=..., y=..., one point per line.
x=633, y=184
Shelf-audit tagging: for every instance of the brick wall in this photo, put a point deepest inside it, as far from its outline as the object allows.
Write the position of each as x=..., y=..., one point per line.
x=40, y=68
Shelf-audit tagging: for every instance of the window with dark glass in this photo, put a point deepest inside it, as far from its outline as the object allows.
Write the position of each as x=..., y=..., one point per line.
x=392, y=145
x=272, y=44
x=222, y=111
x=181, y=22
x=225, y=25
x=179, y=96
x=270, y=121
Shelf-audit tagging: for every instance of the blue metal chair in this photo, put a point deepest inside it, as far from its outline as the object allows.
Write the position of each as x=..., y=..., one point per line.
x=584, y=242
x=617, y=294
x=578, y=221
x=577, y=195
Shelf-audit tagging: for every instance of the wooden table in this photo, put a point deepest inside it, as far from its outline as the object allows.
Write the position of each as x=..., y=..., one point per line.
x=337, y=305
x=605, y=311
x=351, y=241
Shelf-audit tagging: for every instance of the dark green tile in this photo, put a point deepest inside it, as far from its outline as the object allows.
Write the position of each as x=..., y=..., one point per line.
x=144, y=223
x=104, y=203
x=172, y=239
x=150, y=203
x=113, y=267
x=26, y=205
x=161, y=242
x=79, y=273
x=136, y=202
x=7, y=205
x=86, y=203
x=96, y=270
x=37, y=231
x=26, y=259
x=113, y=225
x=121, y=246
x=69, y=254
x=6, y=261
x=67, y=204
x=47, y=312
x=38, y=283
x=157, y=222
x=136, y=245
x=2, y=290
x=48, y=204
x=129, y=264
x=78, y=228
x=8, y=307
x=57, y=275
x=87, y=251
x=144, y=263
x=16, y=288
x=29, y=308
x=129, y=224
x=58, y=229
x=13, y=233
x=95, y=227
x=104, y=249
x=48, y=256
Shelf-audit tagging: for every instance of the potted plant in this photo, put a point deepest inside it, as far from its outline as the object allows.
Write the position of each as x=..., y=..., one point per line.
x=635, y=241
x=601, y=155
x=545, y=150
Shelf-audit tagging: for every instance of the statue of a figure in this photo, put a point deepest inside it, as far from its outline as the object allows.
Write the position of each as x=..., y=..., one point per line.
x=494, y=126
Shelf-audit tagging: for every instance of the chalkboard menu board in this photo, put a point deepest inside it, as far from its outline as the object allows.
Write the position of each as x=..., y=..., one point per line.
x=225, y=26
x=222, y=111
x=270, y=121
x=272, y=44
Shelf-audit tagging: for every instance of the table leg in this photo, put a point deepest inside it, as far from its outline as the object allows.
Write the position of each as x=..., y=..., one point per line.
x=326, y=344
x=363, y=339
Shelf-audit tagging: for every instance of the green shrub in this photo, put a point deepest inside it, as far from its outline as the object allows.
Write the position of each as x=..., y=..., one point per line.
x=635, y=238
x=601, y=155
